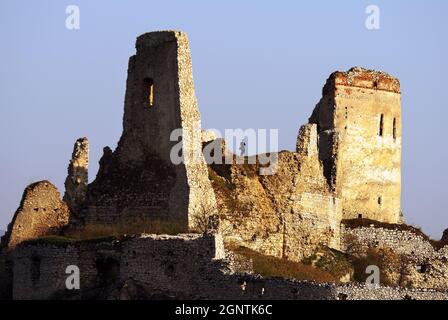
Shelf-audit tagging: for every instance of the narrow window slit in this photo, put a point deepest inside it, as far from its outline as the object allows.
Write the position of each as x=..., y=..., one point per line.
x=394, y=131
x=149, y=91
x=380, y=133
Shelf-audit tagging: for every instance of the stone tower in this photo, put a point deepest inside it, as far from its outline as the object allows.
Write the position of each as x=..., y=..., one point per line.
x=359, y=126
x=140, y=179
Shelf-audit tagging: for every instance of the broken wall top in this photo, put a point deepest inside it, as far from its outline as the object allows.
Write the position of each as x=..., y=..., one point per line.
x=362, y=78
x=155, y=38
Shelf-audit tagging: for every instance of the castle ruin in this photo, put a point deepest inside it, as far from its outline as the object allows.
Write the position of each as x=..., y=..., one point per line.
x=359, y=127
x=346, y=166
x=139, y=180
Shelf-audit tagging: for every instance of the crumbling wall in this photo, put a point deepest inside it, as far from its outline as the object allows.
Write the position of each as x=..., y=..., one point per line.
x=362, y=292
x=140, y=179
x=421, y=266
x=41, y=213
x=177, y=264
x=359, y=124
x=184, y=266
x=77, y=178
x=346, y=165
x=287, y=214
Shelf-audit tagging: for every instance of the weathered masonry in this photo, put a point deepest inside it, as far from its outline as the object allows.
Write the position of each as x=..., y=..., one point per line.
x=139, y=180
x=346, y=165
x=359, y=125
x=187, y=266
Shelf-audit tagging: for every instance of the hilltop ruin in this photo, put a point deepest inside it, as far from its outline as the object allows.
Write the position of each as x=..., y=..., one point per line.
x=347, y=165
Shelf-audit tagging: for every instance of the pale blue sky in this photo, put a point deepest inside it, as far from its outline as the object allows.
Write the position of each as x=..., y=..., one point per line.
x=256, y=64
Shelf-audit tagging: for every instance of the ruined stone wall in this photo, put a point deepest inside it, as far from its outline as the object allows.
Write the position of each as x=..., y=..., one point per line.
x=39, y=271
x=77, y=177
x=422, y=265
x=346, y=165
x=139, y=179
x=183, y=266
x=160, y=263
x=401, y=241
x=287, y=214
x=359, y=123
x=361, y=292
x=41, y=213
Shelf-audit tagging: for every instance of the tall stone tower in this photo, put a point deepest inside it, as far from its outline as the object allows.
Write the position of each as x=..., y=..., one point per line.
x=359, y=125
x=140, y=179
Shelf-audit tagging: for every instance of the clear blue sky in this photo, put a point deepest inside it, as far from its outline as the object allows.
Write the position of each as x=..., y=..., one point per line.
x=256, y=64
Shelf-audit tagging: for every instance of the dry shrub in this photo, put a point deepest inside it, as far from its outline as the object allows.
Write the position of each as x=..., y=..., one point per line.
x=204, y=220
x=385, y=259
x=332, y=261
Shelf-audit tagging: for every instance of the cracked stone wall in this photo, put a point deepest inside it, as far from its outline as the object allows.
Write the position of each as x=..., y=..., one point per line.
x=359, y=124
x=139, y=179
